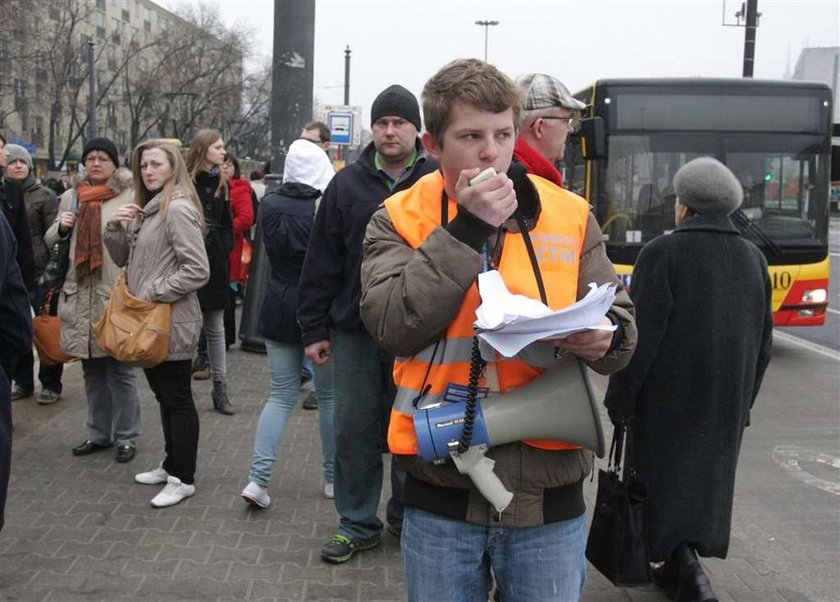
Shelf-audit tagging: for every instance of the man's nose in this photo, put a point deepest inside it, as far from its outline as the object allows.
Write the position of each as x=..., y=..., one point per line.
x=489, y=151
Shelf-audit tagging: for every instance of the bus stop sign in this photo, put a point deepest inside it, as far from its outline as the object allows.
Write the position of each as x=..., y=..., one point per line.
x=341, y=127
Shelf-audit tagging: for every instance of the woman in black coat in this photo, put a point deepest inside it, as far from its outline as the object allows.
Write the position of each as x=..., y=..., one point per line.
x=204, y=160
x=286, y=218
x=705, y=320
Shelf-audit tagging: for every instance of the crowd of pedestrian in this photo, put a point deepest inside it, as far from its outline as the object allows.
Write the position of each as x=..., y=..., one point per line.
x=372, y=292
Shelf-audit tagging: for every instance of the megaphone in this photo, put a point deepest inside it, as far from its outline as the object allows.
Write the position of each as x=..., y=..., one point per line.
x=557, y=405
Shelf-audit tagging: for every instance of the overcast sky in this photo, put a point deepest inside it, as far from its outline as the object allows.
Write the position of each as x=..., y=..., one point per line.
x=404, y=42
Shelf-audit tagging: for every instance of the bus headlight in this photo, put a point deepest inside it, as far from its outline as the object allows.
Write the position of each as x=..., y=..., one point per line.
x=817, y=295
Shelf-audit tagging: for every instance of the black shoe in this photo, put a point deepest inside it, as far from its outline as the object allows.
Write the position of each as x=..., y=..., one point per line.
x=665, y=577
x=88, y=447
x=19, y=392
x=395, y=530
x=311, y=401
x=125, y=453
x=341, y=549
x=693, y=584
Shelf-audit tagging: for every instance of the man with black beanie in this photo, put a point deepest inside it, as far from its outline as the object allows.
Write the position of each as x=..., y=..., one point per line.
x=328, y=312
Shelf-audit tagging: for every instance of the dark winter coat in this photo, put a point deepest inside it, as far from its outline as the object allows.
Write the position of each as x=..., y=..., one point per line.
x=286, y=217
x=218, y=241
x=14, y=208
x=330, y=286
x=705, y=321
x=15, y=340
x=41, y=209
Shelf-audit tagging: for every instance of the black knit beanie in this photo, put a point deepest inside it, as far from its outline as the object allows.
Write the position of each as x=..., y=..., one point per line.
x=105, y=145
x=396, y=100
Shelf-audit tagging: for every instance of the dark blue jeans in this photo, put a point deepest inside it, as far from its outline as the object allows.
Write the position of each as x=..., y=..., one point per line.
x=364, y=394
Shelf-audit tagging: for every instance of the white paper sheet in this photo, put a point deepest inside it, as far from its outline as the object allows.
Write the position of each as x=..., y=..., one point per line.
x=509, y=322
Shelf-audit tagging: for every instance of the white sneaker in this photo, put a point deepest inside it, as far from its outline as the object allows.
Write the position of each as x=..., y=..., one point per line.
x=256, y=495
x=174, y=492
x=329, y=490
x=153, y=477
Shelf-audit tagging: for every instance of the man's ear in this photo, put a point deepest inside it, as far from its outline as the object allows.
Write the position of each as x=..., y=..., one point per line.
x=431, y=145
x=537, y=128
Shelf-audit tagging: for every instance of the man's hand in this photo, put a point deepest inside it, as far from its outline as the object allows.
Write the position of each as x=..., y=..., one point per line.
x=492, y=201
x=589, y=345
x=318, y=353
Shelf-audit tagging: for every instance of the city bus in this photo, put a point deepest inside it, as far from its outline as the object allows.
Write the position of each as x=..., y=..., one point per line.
x=774, y=135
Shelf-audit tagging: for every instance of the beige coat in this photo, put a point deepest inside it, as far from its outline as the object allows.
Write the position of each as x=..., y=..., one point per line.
x=84, y=297
x=167, y=262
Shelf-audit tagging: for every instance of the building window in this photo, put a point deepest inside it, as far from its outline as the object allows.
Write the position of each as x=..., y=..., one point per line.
x=116, y=25
x=100, y=4
x=38, y=131
x=126, y=16
x=100, y=19
x=20, y=88
x=54, y=11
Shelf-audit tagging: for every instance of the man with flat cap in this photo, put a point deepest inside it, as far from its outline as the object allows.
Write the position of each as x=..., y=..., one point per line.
x=328, y=313
x=548, y=112
x=705, y=319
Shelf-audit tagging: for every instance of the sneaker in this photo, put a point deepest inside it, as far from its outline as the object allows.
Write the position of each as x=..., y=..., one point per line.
x=173, y=493
x=329, y=491
x=256, y=495
x=46, y=397
x=341, y=549
x=395, y=530
x=200, y=369
x=19, y=392
x=153, y=477
x=311, y=401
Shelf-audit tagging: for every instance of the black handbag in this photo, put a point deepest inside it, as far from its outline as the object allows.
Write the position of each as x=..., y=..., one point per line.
x=617, y=545
x=52, y=278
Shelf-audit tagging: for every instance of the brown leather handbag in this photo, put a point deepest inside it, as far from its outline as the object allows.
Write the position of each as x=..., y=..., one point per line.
x=47, y=335
x=134, y=330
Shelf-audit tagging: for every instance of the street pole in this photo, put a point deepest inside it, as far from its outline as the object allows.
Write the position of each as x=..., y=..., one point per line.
x=93, y=131
x=347, y=76
x=749, y=37
x=486, y=25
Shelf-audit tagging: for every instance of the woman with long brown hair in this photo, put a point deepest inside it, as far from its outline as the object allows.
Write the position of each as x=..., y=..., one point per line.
x=204, y=160
x=160, y=240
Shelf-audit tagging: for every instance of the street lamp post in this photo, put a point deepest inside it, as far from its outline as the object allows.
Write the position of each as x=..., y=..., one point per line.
x=486, y=25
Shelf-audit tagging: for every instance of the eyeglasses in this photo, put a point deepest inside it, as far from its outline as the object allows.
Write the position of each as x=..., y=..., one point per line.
x=572, y=121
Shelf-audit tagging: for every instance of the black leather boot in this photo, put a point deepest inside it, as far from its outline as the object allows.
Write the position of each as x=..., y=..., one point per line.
x=693, y=583
x=221, y=403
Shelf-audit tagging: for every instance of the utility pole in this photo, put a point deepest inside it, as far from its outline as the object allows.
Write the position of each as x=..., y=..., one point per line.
x=347, y=76
x=486, y=25
x=93, y=131
x=749, y=37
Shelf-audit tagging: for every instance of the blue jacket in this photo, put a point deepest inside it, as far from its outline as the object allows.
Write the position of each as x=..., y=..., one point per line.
x=286, y=217
x=330, y=285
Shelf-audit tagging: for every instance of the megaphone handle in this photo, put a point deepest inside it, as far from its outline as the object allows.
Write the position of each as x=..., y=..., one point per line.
x=479, y=468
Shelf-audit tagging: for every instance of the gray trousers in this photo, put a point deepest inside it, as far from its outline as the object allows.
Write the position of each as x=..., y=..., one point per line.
x=213, y=322
x=113, y=407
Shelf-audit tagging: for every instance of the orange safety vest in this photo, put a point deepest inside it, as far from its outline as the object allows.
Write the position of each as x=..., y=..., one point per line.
x=558, y=243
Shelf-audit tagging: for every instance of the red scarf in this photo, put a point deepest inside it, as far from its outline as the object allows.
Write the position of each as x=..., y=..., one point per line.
x=89, y=225
x=536, y=163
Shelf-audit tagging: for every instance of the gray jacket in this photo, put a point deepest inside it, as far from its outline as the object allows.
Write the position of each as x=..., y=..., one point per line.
x=166, y=262
x=84, y=296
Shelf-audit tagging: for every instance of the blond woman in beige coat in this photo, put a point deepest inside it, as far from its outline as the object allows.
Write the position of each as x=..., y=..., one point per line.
x=161, y=239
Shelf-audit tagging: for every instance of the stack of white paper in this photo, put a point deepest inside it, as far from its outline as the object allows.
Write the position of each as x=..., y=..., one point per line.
x=509, y=322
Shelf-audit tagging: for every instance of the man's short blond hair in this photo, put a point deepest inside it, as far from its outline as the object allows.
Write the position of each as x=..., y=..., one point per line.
x=472, y=82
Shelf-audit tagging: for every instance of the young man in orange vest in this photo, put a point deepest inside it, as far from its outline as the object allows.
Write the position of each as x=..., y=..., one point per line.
x=423, y=252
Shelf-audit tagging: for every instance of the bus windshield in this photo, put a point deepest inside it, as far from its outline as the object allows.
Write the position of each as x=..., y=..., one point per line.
x=779, y=174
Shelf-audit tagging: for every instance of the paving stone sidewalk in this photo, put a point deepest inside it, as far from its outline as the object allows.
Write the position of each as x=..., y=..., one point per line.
x=82, y=529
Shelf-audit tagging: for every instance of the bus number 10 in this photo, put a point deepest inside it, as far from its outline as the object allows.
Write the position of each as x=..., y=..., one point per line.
x=781, y=280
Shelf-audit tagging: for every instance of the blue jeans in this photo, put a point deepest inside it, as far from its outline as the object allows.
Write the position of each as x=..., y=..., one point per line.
x=285, y=361
x=364, y=395
x=447, y=559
